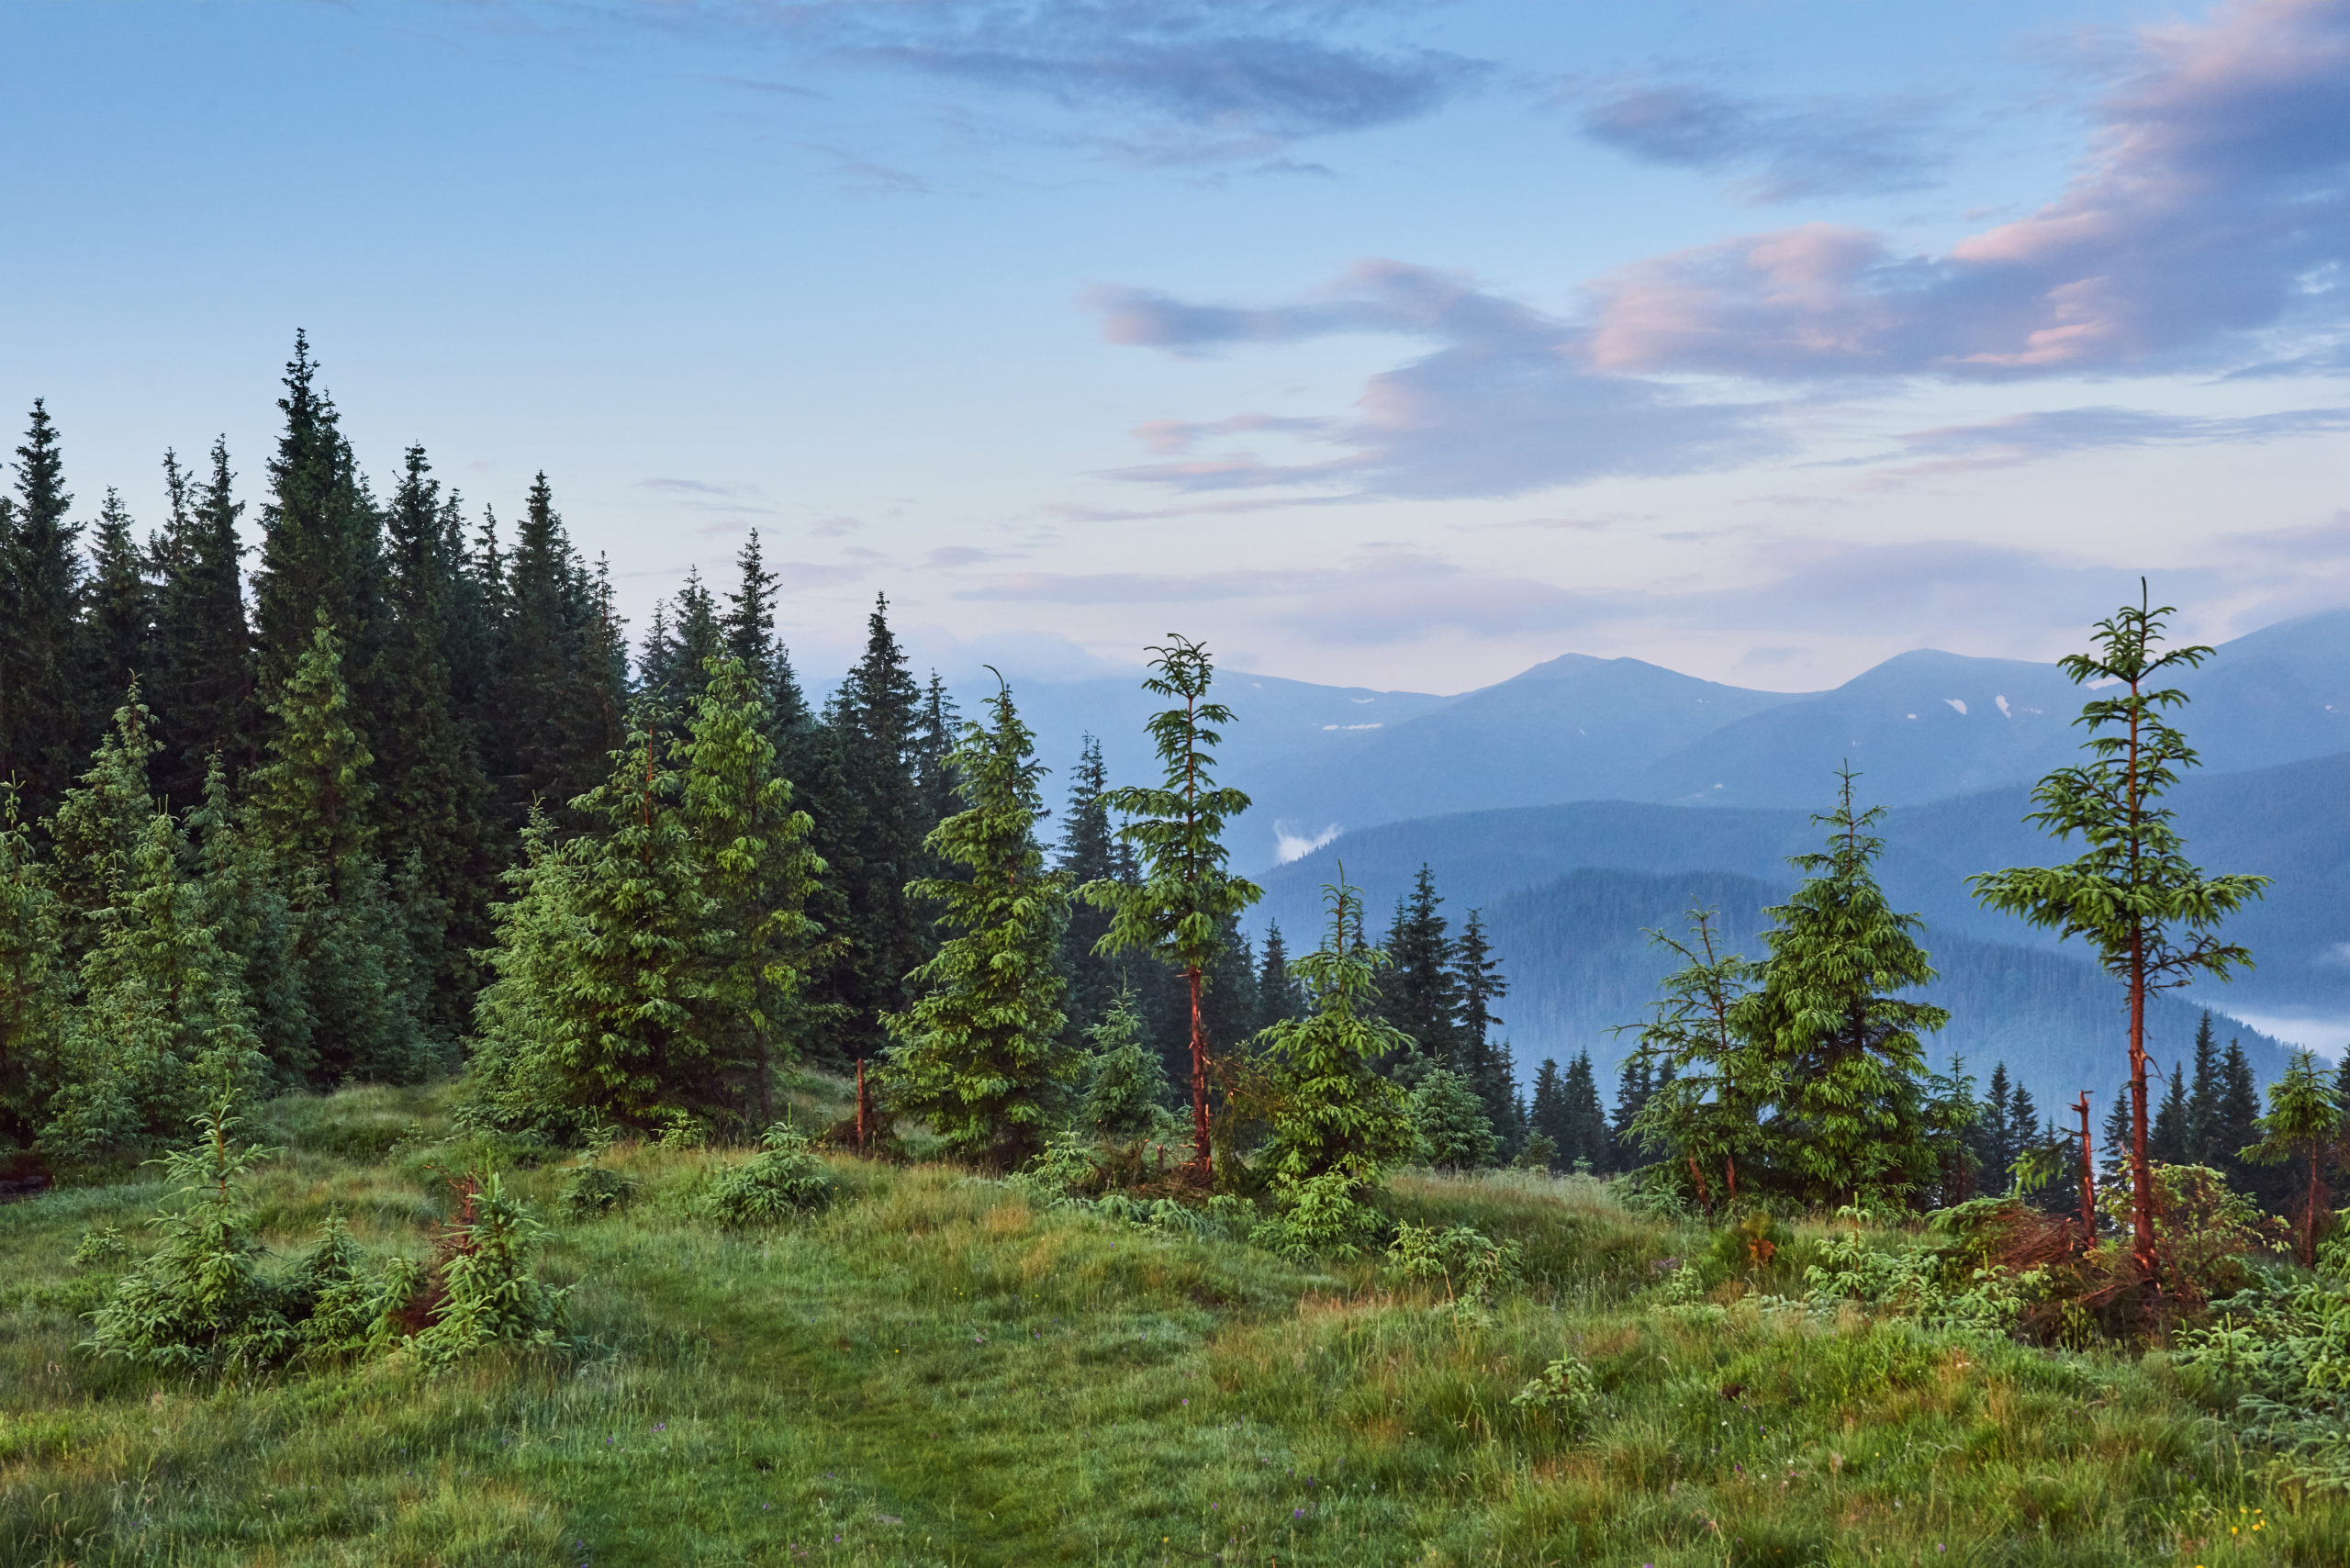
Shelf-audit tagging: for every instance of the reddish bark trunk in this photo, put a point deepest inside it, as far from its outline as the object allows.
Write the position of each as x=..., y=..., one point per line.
x=1202, y=1155
x=2089, y=1179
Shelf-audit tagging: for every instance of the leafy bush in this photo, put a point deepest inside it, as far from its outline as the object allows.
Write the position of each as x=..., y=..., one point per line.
x=103, y=1245
x=1470, y=1266
x=1566, y=1393
x=782, y=1180
x=591, y=1190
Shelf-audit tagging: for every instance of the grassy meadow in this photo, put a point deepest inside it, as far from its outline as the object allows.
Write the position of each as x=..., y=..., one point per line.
x=939, y=1370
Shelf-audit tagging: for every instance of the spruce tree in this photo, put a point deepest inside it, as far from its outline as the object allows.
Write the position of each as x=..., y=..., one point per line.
x=607, y=1000
x=437, y=806
x=41, y=730
x=1332, y=1111
x=1547, y=1119
x=1185, y=901
x=873, y=841
x=1125, y=1082
x=1419, y=992
x=117, y=620
x=245, y=902
x=162, y=1029
x=749, y=627
x=203, y=684
x=1278, y=996
x=2304, y=1120
x=98, y=825
x=312, y=811
x=554, y=709
x=1844, y=1047
x=1454, y=1132
x=1995, y=1135
x=980, y=1053
x=759, y=873
x=2113, y=1159
x=32, y=983
x=2152, y=914
x=1087, y=853
x=321, y=551
x=1635, y=1082
x=2167, y=1143
x=2203, y=1098
x=2238, y=1126
x=1585, y=1146
x=1718, y=1073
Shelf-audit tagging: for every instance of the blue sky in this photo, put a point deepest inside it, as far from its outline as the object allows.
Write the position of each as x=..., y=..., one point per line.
x=1393, y=343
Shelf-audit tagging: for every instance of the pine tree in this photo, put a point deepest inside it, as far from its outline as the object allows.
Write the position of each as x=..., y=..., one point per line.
x=437, y=804
x=1717, y=1075
x=1126, y=1082
x=1333, y=1113
x=980, y=1052
x=41, y=734
x=1951, y=1113
x=1846, y=1057
x=2238, y=1126
x=1635, y=1082
x=555, y=711
x=1085, y=853
x=117, y=620
x=98, y=825
x=321, y=554
x=162, y=1029
x=1547, y=1119
x=312, y=811
x=2167, y=1143
x=245, y=902
x=33, y=982
x=1454, y=1133
x=1478, y=984
x=750, y=632
x=1185, y=900
x=759, y=873
x=1995, y=1135
x=2113, y=1162
x=2203, y=1099
x=203, y=685
x=1587, y=1145
x=2151, y=913
x=872, y=839
x=2305, y=1119
x=1278, y=996
x=1419, y=992
x=676, y=668
x=935, y=775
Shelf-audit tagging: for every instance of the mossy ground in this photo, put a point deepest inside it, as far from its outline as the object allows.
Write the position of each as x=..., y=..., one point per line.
x=936, y=1371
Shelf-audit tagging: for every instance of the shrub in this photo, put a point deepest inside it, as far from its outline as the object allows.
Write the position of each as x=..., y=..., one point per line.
x=591, y=1190
x=782, y=1180
x=1565, y=1393
x=1455, y=1133
x=1471, y=1266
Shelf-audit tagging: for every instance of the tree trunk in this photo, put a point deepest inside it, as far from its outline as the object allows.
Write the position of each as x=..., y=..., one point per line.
x=2308, y=1218
x=2142, y=1173
x=1201, y=1155
x=2089, y=1179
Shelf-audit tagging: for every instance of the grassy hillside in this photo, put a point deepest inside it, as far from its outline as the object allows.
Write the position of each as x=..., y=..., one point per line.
x=942, y=1369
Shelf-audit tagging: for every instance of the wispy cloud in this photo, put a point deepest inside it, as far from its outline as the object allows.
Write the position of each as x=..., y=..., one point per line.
x=2030, y=437
x=1779, y=149
x=1192, y=78
x=1505, y=404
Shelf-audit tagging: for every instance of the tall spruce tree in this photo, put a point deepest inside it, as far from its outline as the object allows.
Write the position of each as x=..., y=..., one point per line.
x=2168, y=1140
x=555, y=713
x=246, y=902
x=312, y=811
x=759, y=873
x=1585, y=1146
x=203, y=684
x=1547, y=1117
x=117, y=620
x=321, y=550
x=1278, y=993
x=98, y=825
x=42, y=728
x=1715, y=1077
x=2152, y=914
x=436, y=834
x=1185, y=900
x=1844, y=1047
x=1087, y=852
x=2203, y=1098
x=1484, y=1056
x=1419, y=992
x=980, y=1053
x=2303, y=1123
x=872, y=840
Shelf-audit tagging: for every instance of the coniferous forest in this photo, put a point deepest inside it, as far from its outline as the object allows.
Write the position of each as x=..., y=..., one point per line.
x=742, y=1123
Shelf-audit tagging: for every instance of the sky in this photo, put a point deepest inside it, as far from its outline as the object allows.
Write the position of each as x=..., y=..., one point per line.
x=1386, y=342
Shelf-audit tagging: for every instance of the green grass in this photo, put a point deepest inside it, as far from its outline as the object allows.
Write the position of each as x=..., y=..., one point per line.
x=933, y=1371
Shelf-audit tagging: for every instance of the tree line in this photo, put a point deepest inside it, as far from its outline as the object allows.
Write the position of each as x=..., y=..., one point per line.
x=398, y=796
